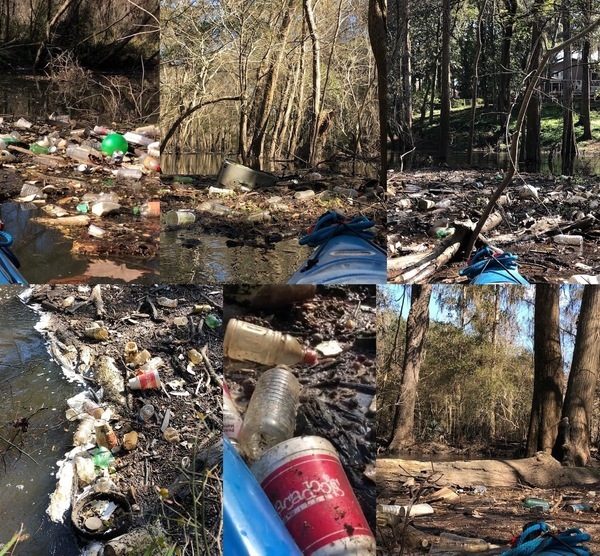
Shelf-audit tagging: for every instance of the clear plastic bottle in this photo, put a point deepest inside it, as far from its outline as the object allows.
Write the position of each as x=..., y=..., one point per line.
x=449, y=542
x=248, y=342
x=271, y=415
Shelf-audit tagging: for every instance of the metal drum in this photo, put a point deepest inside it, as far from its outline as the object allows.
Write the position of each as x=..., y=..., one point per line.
x=305, y=481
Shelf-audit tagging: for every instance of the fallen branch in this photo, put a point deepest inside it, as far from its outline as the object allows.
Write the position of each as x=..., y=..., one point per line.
x=20, y=450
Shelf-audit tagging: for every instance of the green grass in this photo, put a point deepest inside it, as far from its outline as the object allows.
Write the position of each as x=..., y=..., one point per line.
x=487, y=127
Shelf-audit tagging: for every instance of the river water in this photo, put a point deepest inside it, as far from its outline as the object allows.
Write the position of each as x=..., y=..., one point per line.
x=45, y=254
x=211, y=261
x=31, y=386
x=98, y=99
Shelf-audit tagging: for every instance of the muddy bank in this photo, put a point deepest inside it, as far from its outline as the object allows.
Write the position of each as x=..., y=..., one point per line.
x=165, y=467
x=337, y=400
x=485, y=499
x=427, y=207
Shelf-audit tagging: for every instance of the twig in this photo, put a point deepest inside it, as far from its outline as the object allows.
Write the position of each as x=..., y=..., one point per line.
x=20, y=450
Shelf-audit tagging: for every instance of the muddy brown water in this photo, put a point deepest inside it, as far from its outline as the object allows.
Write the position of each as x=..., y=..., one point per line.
x=45, y=254
x=210, y=164
x=211, y=261
x=33, y=387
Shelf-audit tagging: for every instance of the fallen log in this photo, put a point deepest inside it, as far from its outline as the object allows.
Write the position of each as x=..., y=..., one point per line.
x=417, y=269
x=80, y=220
x=539, y=471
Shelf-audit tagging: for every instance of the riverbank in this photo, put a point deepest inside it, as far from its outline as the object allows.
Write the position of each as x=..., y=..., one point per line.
x=163, y=473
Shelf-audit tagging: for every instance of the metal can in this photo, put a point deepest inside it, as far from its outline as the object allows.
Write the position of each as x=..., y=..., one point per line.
x=306, y=483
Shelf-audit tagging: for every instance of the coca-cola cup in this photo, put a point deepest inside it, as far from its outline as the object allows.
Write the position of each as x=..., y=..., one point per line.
x=306, y=483
x=145, y=381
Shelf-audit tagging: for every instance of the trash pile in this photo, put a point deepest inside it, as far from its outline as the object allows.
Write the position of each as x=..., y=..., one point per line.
x=249, y=198
x=478, y=519
x=550, y=222
x=309, y=452
x=148, y=420
x=93, y=183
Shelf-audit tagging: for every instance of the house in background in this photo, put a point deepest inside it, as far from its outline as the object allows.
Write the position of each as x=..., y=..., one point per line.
x=556, y=74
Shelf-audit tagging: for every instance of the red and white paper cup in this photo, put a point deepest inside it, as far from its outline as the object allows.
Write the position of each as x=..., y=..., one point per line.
x=306, y=483
x=145, y=381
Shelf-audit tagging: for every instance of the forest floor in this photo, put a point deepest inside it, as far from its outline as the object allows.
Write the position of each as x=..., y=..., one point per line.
x=263, y=217
x=64, y=190
x=426, y=204
x=166, y=481
x=337, y=401
x=469, y=507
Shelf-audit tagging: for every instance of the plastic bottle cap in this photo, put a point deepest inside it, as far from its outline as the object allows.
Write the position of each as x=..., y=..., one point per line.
x=310, y=357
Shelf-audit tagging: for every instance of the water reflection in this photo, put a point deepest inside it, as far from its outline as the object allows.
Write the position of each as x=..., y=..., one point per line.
x=585, y=164
x=31, y=387
x=46, y=256
x=97, y=98
x=212, y=261
x=210, y=164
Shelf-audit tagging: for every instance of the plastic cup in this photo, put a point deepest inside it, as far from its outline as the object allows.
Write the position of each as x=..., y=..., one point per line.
x=145, y=381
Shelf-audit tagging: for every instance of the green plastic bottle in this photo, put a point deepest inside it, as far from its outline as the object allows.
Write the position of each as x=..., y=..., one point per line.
x=537, y=503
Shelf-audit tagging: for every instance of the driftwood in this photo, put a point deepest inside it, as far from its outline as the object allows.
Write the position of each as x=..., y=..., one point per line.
x=539, y=471
x=418, y=269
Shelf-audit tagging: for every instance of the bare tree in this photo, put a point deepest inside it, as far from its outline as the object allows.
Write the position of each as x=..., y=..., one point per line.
x=416, y=330
x=572, y=446
x=548, y=381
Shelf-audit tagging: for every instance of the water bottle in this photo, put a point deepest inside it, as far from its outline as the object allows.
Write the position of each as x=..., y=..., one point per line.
x=248, y=342
x=449, y=542
x=271, y=415
x=251, y=526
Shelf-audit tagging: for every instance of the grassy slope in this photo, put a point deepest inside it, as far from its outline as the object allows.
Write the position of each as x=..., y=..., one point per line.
x=487, y=128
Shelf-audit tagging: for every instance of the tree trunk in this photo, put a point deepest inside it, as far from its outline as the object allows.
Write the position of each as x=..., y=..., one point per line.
x=402, y=51
x=533, y=145
x=585, y=119
x=548, y=382
x=572, y=446
x=474, y=83
x=316, y=79
x=505, y=72
x=378, y=37
x=568, y=148
x=265, y=102
x=416, y=330
x=444, y=147
x=295, y=132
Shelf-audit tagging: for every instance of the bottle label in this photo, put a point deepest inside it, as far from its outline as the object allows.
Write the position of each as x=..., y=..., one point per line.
x=314, y=499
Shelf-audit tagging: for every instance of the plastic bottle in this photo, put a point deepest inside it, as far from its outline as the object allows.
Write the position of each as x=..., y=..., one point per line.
x=414, y=511
x=150, y=163
x=138, y=139
x=251, y=525
x=214, y=208
x=449, y=542
x=271, y=415
x=248, y=342
x=78, y=152
x=129, y=173
x=232, y=421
